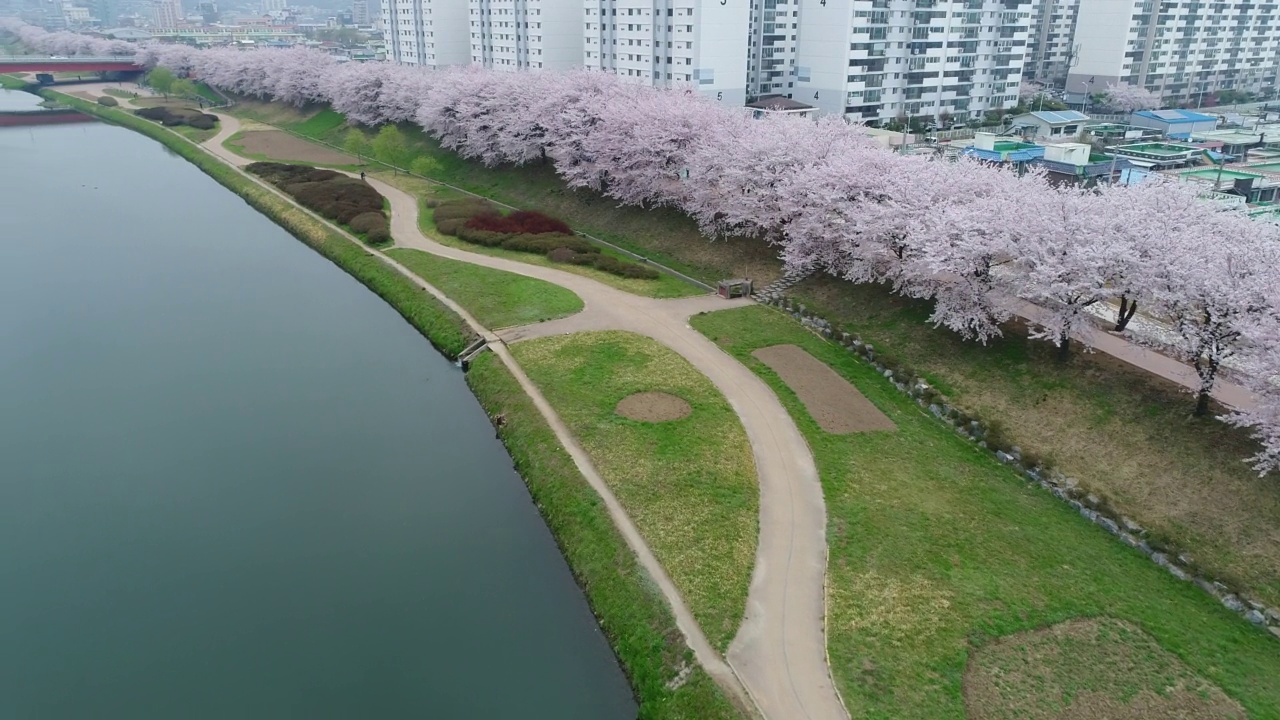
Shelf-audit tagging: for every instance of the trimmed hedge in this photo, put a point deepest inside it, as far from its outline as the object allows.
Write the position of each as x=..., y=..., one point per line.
x=172, y=117
x=520, y=222
x=108, y=101
x=336, y=196
x=480, y=223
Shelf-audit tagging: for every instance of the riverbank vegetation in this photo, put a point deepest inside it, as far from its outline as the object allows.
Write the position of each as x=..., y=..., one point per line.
x=689, y=483
x=938, y=551
x=350, y=202
x=1125, y=435
x=480, y=222
x=631, y=610
x=440, y=325
x=496, y=299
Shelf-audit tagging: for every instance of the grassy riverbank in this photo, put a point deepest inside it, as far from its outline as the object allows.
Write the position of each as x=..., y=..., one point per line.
x=689, y=483
x=1124, y=434
x=937, y=551
x=631, y=610
x=446, y=331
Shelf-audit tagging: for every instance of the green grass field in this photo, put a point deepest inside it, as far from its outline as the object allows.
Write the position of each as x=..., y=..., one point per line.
x=689, y=484
x=630, y=608
x=497, y=299
x=937, y=550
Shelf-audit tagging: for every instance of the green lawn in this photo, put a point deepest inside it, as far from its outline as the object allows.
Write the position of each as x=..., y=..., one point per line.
x=497, y=299
x=689, y=484
x=937, y=550
x=195, y=135
x=631, y=610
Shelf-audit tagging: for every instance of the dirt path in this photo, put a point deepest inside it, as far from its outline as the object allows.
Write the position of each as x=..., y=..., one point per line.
x=779, y=653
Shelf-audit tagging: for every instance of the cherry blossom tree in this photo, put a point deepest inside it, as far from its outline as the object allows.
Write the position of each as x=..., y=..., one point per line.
x=1261, y=362
x=1128, y=98
x=1214, y=286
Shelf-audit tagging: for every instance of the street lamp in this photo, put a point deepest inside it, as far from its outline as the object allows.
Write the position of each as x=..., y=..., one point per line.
x=1088, y=90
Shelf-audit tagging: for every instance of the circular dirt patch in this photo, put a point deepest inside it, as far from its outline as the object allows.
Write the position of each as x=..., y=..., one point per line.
x=653, y=407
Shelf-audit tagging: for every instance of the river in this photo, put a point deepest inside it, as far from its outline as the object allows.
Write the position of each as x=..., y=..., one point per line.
x=235, y=484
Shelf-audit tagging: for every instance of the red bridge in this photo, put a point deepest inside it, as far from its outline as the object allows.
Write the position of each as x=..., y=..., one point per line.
x=69, y=64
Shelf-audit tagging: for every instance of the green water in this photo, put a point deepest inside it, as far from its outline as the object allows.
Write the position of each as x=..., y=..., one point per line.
x=235, y=484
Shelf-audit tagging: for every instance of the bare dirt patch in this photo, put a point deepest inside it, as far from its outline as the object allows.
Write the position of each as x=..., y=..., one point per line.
x=653, y=407
x=1094, y=669
x=279, y=145
x=832, y=401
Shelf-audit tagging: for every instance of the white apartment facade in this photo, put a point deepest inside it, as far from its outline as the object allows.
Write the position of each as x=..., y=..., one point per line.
x=525, y=34
x=772, y=39
x=429, y=33
x=1180, y=50
x=671, y=43
x=166, y=14
x=1051, y=45
x=879, y=60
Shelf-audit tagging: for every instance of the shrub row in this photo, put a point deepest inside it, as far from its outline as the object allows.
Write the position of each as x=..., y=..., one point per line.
x=172, y=117
x=479, y=222
x=520, y=222
x=340, y=198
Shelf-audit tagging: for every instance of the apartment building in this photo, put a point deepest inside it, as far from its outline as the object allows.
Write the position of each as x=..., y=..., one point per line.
x=669, y=43
x=167, y=14
x=1181, y=50
x=772, y=38
x=526, y=34
x=431, y=33
x=1051, y=44
x=880, y=60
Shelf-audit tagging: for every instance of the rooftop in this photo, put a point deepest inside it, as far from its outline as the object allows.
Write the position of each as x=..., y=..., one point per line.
x=1217, y=173
x=1056, y=117
x=1176, y=116
x=1160, y=150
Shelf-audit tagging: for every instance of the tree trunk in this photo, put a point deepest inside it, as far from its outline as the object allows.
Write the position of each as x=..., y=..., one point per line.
x=1127, y=310
x=1202, y=403
x=1064, y=347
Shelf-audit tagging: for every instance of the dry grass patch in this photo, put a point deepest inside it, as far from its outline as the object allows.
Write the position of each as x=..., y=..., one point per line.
x=653, y=407
x=689, y=484
x=1095, y=669
x=281, y=146
x=832, y=401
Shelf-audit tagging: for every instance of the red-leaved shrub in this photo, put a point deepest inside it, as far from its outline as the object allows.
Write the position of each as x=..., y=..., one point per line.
x=521, y=222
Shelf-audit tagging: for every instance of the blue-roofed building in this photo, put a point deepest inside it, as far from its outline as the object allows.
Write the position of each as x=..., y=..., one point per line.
x=1051, y=124
x=996, y=149
x=1174, y=123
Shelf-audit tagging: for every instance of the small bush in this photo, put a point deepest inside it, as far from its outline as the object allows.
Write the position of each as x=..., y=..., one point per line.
x=203, y=122
x=108, y=101
x=561, y=255
x=450, y=226
x=367, y=221
x=463, y=209
x=152, y=113
x=545, y=243
x=378, y=235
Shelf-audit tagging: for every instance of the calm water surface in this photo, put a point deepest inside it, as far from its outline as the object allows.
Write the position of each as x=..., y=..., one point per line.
x=236, y=484
x=18, y=100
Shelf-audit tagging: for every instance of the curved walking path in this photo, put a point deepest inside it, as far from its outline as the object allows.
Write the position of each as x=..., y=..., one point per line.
x=779, y=654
